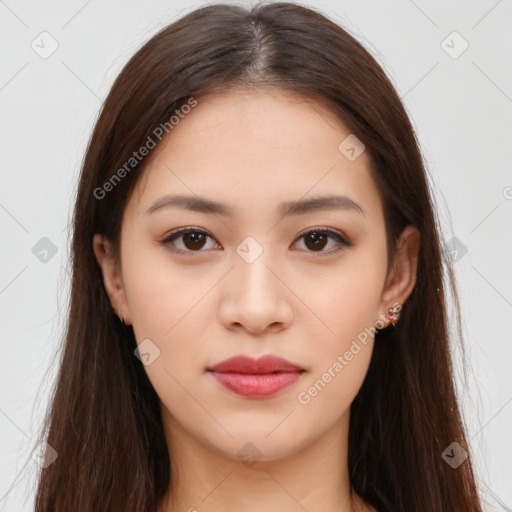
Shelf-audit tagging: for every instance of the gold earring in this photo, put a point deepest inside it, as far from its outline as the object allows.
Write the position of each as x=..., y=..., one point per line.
x=394, y=313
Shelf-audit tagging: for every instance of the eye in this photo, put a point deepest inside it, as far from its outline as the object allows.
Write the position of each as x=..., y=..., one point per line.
x=318, y=238
x=194, y=240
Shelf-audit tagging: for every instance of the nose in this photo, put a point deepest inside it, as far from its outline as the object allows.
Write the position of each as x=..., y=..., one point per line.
x=256, y=297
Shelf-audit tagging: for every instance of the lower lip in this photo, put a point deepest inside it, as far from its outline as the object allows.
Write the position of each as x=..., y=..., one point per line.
x=257, y=385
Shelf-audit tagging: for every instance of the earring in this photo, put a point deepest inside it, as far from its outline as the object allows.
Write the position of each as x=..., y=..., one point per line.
x=394, y=313
x=121, y=318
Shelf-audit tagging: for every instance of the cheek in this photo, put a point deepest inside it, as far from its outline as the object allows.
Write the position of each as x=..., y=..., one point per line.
x=169, y=306
x=166, y=307
x=340, y=360
x=161, y=296
x=348, y=305
x=347, y=298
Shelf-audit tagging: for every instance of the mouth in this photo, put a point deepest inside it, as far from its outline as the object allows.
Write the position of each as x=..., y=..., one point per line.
x=258, y=378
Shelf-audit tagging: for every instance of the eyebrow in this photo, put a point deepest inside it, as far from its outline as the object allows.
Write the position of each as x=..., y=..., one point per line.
x=204, y=205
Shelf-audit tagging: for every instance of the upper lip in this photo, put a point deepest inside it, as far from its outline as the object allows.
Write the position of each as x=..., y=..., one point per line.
x=264, y=364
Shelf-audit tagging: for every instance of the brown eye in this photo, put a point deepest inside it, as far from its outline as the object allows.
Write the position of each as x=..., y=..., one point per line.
x=192, y=240
x=317, y=239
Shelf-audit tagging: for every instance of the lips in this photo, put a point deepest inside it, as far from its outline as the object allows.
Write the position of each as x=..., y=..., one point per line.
x=265, y=364
x=261, y=377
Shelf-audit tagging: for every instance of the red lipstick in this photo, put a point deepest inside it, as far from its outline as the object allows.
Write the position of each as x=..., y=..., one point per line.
x=261, y=377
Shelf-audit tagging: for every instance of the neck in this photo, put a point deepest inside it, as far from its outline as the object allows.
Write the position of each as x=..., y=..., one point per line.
x=313, y=477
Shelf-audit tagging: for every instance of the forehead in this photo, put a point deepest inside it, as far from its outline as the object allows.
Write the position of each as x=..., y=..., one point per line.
x=249, y=149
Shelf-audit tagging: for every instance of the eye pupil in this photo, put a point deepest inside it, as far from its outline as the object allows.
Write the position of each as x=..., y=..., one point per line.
x=196, y=238
x=319, y=240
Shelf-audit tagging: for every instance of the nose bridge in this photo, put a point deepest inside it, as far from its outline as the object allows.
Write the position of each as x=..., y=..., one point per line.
x=254, y=295
x=254, y=259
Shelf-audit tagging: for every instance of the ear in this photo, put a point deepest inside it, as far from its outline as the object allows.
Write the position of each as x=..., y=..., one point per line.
x=112, y=278
x=402, y=277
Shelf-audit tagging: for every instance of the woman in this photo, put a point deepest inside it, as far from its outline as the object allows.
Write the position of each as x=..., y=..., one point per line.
x=258, y=316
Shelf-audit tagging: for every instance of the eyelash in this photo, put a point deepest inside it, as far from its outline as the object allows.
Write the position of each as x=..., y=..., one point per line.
x=342, y=240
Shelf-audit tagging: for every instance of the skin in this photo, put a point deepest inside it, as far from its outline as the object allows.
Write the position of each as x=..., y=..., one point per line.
x=252, y=151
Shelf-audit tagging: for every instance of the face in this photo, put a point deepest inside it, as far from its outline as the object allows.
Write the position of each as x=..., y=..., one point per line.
x=252, y=278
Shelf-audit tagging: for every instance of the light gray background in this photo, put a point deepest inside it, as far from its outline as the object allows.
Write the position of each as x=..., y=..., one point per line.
x=460, y=107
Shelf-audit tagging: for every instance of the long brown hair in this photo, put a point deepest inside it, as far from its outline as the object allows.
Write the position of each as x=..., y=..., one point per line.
x=104, y=418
